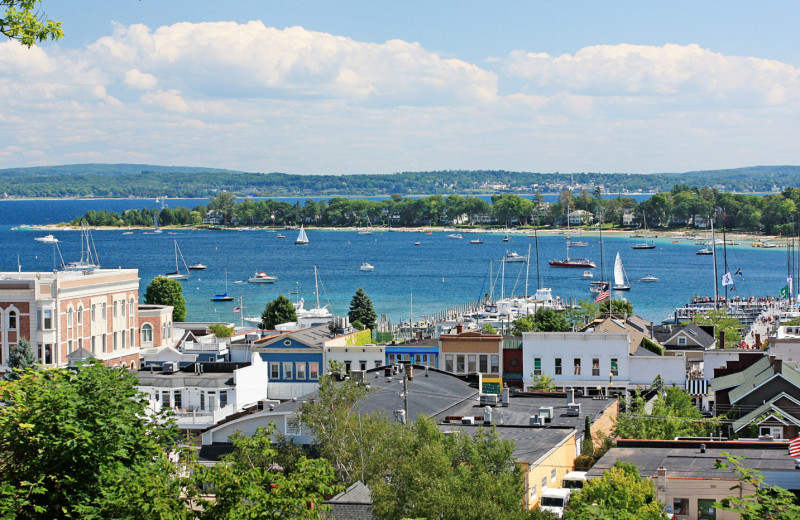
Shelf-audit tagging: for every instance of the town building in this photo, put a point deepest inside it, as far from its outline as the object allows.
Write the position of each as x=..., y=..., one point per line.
x=61, y=312
x=469, y=352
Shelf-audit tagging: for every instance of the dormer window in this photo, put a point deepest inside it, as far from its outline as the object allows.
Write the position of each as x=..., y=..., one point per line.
x=682, y=341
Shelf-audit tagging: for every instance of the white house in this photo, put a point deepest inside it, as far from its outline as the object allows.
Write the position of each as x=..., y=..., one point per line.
x=364, y=357
x=204, y=394
x=595, y=362
x=785, y=345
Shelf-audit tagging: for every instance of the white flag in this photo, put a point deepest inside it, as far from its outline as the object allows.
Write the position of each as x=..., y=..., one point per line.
x=727, y=279
x=789, y=283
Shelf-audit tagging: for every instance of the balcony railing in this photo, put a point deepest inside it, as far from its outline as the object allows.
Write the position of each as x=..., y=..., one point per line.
x=202, y=419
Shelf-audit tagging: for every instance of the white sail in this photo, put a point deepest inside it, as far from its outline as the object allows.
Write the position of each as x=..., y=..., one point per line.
x=620, y=278
x=302, y=238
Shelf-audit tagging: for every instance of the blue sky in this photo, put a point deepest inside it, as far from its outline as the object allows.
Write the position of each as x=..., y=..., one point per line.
x=380, y=87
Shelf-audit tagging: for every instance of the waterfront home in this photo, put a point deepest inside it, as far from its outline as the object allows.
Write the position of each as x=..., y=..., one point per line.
x=204, y=394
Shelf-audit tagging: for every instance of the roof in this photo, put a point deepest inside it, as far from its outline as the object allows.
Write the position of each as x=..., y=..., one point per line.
x=769, y=407
x=530, y=443
x=183, y=380
x=737, y=378
x=354, y=503
x=684, y=458
x=313, y=336
x=80, y=354
x=666, y=333
x=775, y=369
x=611, y=323
x=521, y=407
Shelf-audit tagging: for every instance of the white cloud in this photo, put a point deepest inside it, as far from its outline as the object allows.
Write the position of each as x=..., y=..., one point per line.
x=140, y=80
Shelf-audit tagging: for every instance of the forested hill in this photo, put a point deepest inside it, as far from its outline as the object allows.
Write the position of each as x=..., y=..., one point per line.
x=141, y=180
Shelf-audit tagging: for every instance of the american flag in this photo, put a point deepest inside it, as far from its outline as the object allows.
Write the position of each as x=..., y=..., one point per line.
x=236, y=309
x=794, y=447
x=604, y=293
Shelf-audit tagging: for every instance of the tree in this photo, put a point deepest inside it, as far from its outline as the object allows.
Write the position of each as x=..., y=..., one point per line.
x=545, y=320
x=765, y=502
x=166, y=291
x=722, y=321
x=280, y=310
x=620, y=494
x=487, y=328
x=543, y=383
x=583, y=313
x=456, y=477
x=621, y=307
x=361, y=310
x=248, y=485
x=588, y=444
x=20, y=358
x=673, y=415
x=70, y=439
x=221, y=330
x=225, y=204
x=22, y=22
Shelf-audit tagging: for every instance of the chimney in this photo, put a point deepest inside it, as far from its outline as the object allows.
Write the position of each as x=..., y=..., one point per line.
x=721, y=339
x=758, y=340
x=661, y=484
x=459, y=328
x=702, y=448
x=426, y=371
x=570, y=395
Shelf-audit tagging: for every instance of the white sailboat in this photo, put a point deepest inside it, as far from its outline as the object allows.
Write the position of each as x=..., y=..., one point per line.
x=155, y=224
x=177, y=274
x=89, y=260
x=621, y=282
x=302, y=238
x=316, y=316
x=367, y=230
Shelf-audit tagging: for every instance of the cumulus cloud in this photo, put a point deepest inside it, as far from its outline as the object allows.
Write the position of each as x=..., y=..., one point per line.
x=667, y=71
x=139, y=80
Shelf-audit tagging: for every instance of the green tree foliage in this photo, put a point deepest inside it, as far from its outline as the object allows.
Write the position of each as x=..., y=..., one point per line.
x=248, y=485
x=166, y=291
x=223, y=203
x=280, y=310
x=543, y=383
x=583, y=313
x=361, y=310
x=20, y=358
x=674, y=415
x=69, y=439
x=588, y=443
x=487, y=328
x=221, y=330
x=545, y=320
x=722, y=321
x=23, y=22
x=620, y=494
x=457, y=477
x=763, y=502
x=620, y=307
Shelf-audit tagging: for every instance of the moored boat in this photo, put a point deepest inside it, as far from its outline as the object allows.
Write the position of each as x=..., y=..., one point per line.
x=262, y=277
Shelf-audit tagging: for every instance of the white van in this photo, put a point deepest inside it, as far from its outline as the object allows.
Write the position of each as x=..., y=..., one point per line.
x=555, y=500
x=574, y=480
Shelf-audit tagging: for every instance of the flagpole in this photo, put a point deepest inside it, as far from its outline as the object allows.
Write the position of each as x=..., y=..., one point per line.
x=714, y=254
x=724, y=257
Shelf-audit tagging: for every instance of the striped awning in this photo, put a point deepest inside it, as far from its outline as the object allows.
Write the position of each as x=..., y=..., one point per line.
x=696, y=387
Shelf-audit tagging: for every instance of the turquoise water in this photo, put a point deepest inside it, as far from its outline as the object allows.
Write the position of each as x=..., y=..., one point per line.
x=441, y=272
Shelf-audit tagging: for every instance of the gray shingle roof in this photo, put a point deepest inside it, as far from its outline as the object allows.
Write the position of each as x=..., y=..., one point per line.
x=315, y=336
x=183, y=380
x=737, y=378
x=664, y=333
x=743, y=421
x=530, y=444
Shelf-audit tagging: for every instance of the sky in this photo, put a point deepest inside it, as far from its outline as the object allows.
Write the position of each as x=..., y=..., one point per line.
x=357, y=87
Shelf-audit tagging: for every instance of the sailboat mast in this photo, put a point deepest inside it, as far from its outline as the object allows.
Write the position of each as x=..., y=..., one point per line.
x=714, y=254
x=724, y=258
x=503, y=281
x=527, y=269
x=538, y=276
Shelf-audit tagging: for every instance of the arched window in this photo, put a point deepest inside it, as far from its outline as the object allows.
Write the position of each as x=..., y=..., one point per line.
x=69, y=317
x=122, y=306
x=12, y=320
x=130, y=307
x=147, y=333
x=133, y=365
x=80, y=315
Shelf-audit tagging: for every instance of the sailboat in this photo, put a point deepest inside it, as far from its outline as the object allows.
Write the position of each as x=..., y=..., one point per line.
x=367, y=230
x=571, y=262
x=302, y=238
x=224, y=296
x=155, y=224
x=621, y=282
x=178, y=275
x=89, y=260
x=316, y=316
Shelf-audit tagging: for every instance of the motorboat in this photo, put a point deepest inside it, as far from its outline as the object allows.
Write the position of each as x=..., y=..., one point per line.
x=262, y=277
x=588, y=274
x=417, y=243
x=705, y=251
x=197, y=267
x=513, y=256
x=455, y=235
x=47, y=239
x=649, y=278
x=476, y=241
x=366, y=266
x=280, y=235
x=572, y=262
x=644, y=245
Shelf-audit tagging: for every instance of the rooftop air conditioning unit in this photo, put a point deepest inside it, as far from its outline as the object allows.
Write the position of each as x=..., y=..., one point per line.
x=490, y=399
x=574, y=409
x=358, y=375
x=537, y=420
x=169, y=367
x=468, y=421
x=546, y=412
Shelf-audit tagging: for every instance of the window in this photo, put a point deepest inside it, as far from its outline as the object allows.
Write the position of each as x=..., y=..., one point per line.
x=362, y=365
x=47, y=324
x=558, y=366
x=287, y=370
x=69, y=346
x=116, y=304
x=682, y=342
x=483, y=363
x=12, y=320
x=80, y=343
x=614, y=367
x=80, y=315
x=544, y=482
x=116, y=341
x=347, y=367
x=133, y=336
x=553, y=475
x=472, y=363
x=448, y=362
x=292, y=426
x=46, y=353
x=460, y=364
x=103, y=342
x=776, y=432
x=104, y=312
x=94, y=344
x=533, y=492
x=122, y=335
x=223, y=398
x=130, y=307
x=165, y=399
x=122, y=308
x=69, y=317
x=300, y=370
x=94, y=312
x=202, y=401
x=537, y=366
x=274, y=371
x=680, y=506
x=577, y=370
x=176, y=396
x=495, y=366
x=147, y=333
x=595, y=366
x=378, y=363
x=313, y=371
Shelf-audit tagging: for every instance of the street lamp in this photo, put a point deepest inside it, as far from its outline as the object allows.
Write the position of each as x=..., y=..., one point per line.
x=610, y=383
